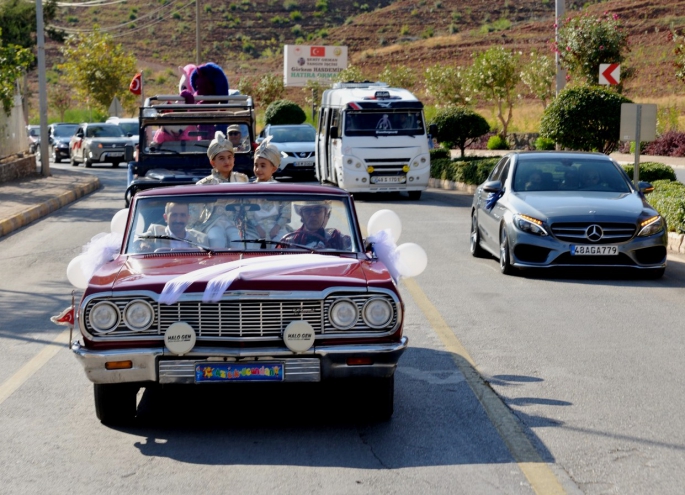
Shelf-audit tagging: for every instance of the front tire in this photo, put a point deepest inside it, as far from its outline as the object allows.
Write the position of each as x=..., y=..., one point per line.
x=115, y=403
x=414, y=195
x=474, y=244
x=381, y=398
x=505, y=254
x=654, y=274
x=88, y=163
x=73, y=162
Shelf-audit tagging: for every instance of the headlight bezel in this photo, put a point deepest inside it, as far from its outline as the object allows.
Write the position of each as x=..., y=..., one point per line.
x=651, y=226
x=101, y=329
x=338, y=305
x=126, y=318
x=530, y=225
x=367, y=307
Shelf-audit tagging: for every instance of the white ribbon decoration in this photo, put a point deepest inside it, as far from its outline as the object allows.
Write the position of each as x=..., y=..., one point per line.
x=385, y=248
x=101, y=249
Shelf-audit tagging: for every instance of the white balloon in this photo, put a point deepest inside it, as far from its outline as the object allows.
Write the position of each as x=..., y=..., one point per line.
x=411, y=259
x=75, y=273
x=118, y=224
x=385, y=219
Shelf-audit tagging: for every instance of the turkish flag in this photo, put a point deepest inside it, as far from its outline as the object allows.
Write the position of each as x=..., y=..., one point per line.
x=66, y=317
x=136, y=84
x=317, y=51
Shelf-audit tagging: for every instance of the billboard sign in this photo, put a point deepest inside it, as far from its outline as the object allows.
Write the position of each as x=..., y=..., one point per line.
x=304, y=63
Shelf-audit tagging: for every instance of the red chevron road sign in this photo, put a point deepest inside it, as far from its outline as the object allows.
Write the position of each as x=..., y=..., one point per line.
x=609, y=74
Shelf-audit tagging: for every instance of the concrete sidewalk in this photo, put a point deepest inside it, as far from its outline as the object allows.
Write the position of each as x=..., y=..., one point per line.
x=25, y=200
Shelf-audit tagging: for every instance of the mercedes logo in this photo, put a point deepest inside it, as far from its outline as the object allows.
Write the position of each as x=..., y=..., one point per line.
x=594, y=232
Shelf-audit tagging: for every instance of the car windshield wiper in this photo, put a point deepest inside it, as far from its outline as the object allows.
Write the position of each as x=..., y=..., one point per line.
x=172, y=238
x=264, y=242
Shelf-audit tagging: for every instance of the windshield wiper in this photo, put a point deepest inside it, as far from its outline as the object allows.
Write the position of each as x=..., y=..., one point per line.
x=172, y=238
x=264, y=242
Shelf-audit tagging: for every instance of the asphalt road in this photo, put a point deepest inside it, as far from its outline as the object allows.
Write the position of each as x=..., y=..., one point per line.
x=589, y=366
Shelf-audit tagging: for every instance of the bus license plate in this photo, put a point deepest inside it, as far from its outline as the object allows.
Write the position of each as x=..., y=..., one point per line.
x=594, y=250
x=393, y=179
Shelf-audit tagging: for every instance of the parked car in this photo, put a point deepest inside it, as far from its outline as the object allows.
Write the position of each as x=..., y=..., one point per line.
x=566, y=209
x=297, y=143
x=285, y=310
x=130, y=127
x=59, y=135
x=98, y=143
x=33, y=133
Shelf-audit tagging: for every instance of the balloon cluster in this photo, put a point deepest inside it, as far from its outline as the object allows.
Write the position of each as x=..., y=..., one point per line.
x=98, y=251
x=406, y=260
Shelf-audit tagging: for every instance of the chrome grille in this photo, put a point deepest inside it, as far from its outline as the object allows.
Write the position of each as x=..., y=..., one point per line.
x=612, y=232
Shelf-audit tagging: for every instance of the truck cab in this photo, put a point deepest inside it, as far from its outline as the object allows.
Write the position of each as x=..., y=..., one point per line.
x=372, y=138
x=174, y=137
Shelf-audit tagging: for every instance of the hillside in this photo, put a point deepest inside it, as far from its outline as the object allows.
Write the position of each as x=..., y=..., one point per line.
x=245, y=36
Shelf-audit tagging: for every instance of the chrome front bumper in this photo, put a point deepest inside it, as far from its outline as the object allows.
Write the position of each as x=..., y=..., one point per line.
x=157, y=364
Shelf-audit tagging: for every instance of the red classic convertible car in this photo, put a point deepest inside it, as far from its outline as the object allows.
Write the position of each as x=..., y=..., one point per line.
x=240, y=283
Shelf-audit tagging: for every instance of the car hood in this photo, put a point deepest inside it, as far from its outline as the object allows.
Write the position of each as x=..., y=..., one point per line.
x=292, y=273
x=570, y=206
x=61, y=140
x=295, y=147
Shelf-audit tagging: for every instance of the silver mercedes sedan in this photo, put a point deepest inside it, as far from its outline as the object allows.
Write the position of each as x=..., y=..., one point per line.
x=545, y=209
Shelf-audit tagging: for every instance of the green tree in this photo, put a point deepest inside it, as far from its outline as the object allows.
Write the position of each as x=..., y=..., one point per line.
x=269, y=89
x=398, y=76
x=494, y=76
x=447, y=85
x=18, y=21
x=539, y=76
x=97, y=68
x=283, y=112
x=586, y=41
x=14, y=61
x=59, y=99
x=459, y=126
x=351, y=74
x=585, y=118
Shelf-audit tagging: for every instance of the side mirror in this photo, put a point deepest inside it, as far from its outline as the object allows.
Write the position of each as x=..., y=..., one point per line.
x=334, y=132
x=492, y=186
x=433, y=129
x=645, y=187
x=128, y=153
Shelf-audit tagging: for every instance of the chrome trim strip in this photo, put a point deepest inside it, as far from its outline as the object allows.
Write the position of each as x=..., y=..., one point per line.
x=183, y=371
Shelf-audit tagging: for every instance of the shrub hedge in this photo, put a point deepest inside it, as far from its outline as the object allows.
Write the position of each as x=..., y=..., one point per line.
x=652, y=171
x=497, y=142
x=439, y=153
x=671, y=143
x=470, y=170
x=669, y=200
x=543, y=143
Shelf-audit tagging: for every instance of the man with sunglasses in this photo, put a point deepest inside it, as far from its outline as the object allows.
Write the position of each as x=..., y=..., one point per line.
x=313, y=233
x=235, y=135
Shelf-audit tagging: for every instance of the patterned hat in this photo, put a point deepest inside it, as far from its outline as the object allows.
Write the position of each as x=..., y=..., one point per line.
x=234, y=127
x=268, y=151
x=219, y=144
x=326, y=203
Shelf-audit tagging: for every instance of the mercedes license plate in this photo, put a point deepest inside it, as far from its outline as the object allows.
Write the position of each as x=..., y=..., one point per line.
x=393, y=179
x=304, y=164
x=594, y=250
x=258, y=371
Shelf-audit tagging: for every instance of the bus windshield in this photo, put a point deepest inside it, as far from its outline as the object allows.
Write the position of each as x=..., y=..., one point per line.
x=384, y=122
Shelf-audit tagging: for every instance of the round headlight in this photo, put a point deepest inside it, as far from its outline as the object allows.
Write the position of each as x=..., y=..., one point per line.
x=104, y=317
x=377, y=313
x=343, y=314
x=138, y=315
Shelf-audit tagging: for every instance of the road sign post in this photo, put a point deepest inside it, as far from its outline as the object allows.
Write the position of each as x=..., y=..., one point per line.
x=638, y=123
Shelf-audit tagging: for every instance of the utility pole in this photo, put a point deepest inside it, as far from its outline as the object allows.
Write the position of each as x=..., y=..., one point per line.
x=42, y=93
x=561, y=74
x=197, y=32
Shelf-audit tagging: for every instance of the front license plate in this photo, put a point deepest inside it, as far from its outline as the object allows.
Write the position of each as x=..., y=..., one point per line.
x=594, y=250
x=304, y=164
x=393, y=179
x=239, y=372
x=115, y=154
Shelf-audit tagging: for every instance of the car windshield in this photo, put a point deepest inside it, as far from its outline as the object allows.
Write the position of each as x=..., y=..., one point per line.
x=100, y=131
x=34, y=131
x=543, y=173
x=129, y=128
x=192, y=138
x=64, y=130
x=242, y=222
x=384, y=122
x=299, y=134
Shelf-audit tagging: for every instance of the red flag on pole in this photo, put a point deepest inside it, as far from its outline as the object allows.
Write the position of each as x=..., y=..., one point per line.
x=136, y=85
x=66, y=317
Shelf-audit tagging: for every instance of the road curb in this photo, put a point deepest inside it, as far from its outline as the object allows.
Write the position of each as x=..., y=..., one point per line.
x=33, y=213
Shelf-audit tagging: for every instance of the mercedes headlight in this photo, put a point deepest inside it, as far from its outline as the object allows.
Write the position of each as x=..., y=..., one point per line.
x=651, y=226
x=138, y=315
x=529, y=224
x=377, y=313
x=104, y=317
x=343, y=314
